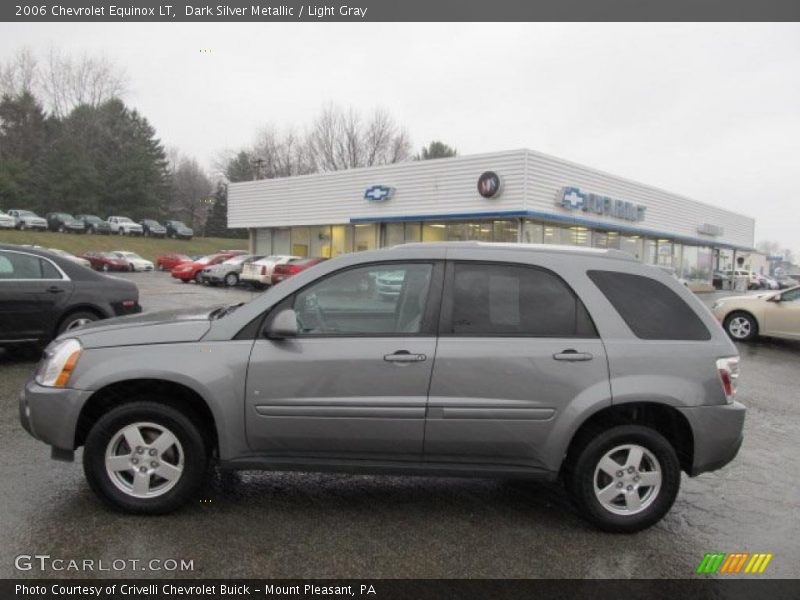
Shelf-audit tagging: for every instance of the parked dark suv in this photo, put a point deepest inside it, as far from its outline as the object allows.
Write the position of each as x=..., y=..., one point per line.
x=95, y=225
x=43, y=294
x=490, y=360
x=152, y=228
x=176, y=229
x=64, y=223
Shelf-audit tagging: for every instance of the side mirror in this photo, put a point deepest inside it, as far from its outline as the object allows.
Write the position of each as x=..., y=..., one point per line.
x=283, y=325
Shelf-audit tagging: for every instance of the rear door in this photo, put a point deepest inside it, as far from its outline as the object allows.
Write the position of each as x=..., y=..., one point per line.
x=32, y=293
x=354, y=382
x=516, y=349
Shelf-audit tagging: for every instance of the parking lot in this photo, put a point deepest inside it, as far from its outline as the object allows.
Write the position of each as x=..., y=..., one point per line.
x=325, y=525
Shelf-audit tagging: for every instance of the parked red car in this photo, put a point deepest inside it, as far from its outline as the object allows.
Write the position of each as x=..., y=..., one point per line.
x=293, y=267
x=106, y=261
x=187, y=271
x=167, y=262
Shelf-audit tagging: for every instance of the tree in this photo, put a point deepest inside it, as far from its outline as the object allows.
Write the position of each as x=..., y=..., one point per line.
x=69, y=82
x=20, y=74
x=436, y=149
x=239, y=168
x=191, y=191
x=24, y=136
x=340, y=139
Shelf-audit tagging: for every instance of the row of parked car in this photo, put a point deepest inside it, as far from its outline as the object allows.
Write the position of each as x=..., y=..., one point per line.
x=66, y=223
x=753, y=280
x=232, y=267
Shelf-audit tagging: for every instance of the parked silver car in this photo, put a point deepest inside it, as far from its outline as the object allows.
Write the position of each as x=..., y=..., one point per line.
x=542, y=362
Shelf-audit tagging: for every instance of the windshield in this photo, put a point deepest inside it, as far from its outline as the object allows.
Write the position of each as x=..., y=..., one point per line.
x=178, y=225
x=26, y=213
x=124, y=220
x=206, y=259
x=151, y=223
x=237, y=260
x=127, y=255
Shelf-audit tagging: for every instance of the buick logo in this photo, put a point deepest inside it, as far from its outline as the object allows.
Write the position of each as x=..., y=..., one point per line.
x=378, y=193
x=489, y=184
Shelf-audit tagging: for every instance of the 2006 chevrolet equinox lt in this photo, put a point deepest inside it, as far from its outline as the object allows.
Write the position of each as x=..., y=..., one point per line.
x=491, y=360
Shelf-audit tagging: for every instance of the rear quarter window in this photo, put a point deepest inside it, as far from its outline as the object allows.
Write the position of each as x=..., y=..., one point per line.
x=651, y=309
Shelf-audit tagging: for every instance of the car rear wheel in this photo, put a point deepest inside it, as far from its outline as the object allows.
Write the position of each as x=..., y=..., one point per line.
x=198, y=278
x=231, y=279
x=625, y=479
x=145, y=457
x=741, y=326
x=75, y=320
x=131, y=268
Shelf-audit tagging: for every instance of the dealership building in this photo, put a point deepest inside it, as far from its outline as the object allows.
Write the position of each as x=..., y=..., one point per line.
x=514, y=196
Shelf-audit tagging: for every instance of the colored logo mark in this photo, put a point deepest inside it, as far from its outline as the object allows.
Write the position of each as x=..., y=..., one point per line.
x=378, y=193
x=736, y=562
x=489, y=184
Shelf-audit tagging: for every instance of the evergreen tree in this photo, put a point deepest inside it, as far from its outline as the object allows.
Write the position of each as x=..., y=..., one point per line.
x=436, y=149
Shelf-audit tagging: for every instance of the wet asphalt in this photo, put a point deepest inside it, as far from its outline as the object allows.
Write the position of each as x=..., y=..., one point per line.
x=301, y=525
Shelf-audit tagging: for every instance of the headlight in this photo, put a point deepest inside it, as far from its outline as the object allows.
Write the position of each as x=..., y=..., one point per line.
x=59, y=362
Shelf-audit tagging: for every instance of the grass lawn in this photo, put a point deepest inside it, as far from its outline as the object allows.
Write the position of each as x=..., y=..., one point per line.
x=148, y=248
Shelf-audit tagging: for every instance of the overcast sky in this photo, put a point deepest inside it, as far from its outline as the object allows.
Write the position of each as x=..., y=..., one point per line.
x=708, y=111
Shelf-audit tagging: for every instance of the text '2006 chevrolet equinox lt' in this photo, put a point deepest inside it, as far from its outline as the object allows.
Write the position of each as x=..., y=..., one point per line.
x=491, y=360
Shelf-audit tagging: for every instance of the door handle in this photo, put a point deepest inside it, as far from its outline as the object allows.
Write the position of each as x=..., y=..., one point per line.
x=572, y=355
x=54, y=289
x=404, y=356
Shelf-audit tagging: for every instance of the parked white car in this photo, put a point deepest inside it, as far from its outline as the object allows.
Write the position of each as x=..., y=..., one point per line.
x=72, y=257
x=259, y=273
x=135, y=262
x=124, y=226
x=7, y=221
x=26, y=219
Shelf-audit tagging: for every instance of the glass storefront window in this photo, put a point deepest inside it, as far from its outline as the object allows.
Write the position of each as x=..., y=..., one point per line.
x=321, y=241
x=650, y=256
x=301, y=240
x=580, y=236
x=505, y=231
x=696, y=264
x=532, y=232
x=394, y=234
x=413, y=232
x=434, y=232
x=341, y=239
x=632, y=244
x=365, y=237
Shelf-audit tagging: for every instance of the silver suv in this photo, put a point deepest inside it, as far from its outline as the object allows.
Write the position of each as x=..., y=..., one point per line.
x=514, y=361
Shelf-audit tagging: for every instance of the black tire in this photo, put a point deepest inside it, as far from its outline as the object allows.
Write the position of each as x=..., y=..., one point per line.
x=741, y=326
x=131, y=268
x=61, y=229
x=231, y=280
x=185, y=280
x=198, y=278
x=195, y=456
x=580, y=478
x=75, y=319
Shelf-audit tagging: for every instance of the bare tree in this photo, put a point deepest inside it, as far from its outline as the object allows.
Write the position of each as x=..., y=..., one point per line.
x=281, y=154
x=341, y=139
x=69, y=82
x=20, y=74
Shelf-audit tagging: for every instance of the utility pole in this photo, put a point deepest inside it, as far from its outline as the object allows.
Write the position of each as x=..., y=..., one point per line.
x=258, y=166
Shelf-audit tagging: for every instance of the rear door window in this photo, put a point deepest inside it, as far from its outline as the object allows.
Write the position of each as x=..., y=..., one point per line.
x=496, y=299
x=651, y=309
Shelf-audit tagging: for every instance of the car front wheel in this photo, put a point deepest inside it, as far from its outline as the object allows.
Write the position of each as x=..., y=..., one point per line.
x=741, y=326
x=145, y=457
x=75, y=320
x=625, y=479
x=231, y=279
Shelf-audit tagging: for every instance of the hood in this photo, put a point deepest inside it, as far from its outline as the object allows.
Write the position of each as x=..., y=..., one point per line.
x=164, y=327
x=34, y=219
x=747, y=298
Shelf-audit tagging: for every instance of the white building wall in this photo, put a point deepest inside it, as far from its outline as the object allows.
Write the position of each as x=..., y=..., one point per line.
x=531, y=182
x=665, y=212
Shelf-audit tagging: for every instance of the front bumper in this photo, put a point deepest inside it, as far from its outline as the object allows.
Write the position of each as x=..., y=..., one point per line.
x=51, y=414
x=717, y=433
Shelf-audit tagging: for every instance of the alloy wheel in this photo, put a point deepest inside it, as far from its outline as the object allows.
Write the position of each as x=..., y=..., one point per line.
x=627, y=479
x=144, y=460
x=739, y=327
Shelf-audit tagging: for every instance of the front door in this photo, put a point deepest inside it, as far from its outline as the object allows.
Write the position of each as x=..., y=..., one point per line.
x=783, y=318
x=32, y=291
x=517, y=349
x=354, y=382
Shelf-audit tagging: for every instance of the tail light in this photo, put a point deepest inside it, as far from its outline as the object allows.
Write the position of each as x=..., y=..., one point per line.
x=728, y=369
x=129, y=303
x=293, y=269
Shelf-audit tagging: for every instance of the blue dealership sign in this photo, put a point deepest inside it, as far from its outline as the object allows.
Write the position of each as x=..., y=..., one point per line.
x=378, y=193
x=572, y=198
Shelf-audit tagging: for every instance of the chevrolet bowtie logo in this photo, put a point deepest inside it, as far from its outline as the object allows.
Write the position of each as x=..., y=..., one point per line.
x=378, y=193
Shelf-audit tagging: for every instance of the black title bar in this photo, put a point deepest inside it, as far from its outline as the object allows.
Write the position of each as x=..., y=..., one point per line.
x=399, y=11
